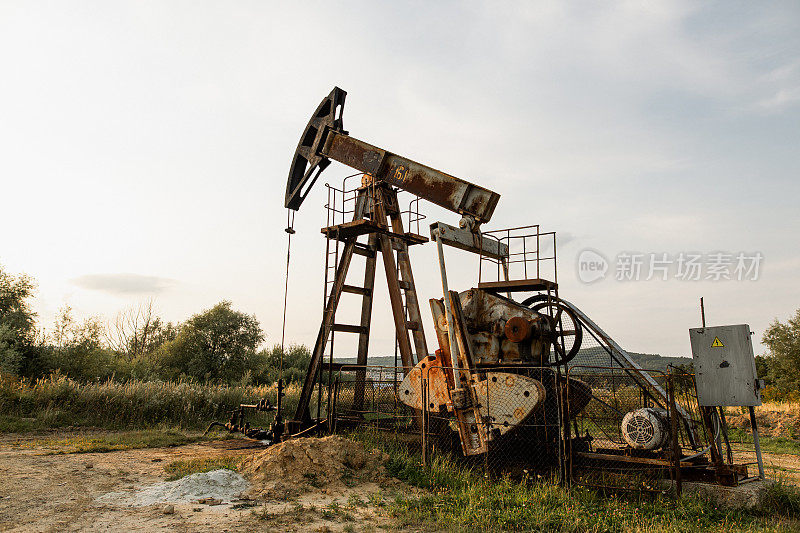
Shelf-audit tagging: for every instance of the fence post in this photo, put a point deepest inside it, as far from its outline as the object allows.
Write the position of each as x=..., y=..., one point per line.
x=673, y=422
x=425, y=415
x=486, y=466
x=565, y=463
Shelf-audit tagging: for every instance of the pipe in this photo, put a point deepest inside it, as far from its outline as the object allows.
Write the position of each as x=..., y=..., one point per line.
x=448, y=311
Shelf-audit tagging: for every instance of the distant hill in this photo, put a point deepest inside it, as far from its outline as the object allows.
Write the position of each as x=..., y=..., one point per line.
x=586, y=357
x=659, y=362
x=596, y=356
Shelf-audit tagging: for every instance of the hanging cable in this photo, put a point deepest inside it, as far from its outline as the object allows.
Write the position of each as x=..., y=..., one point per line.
x=290, y=230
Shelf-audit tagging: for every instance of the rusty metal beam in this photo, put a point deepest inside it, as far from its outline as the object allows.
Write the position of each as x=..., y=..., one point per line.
x=395, y=297
x=428, y=183
x=465, y=239
x=366, y=319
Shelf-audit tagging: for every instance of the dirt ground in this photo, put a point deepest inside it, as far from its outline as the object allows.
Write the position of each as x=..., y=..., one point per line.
x=42, y=491
x=781, y=466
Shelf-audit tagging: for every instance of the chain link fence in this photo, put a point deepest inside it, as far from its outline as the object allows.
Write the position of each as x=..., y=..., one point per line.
x=622, y=437
x=596, y=426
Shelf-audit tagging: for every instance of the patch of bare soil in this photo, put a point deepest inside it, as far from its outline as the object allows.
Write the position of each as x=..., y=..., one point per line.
x=774, y=420
x=780, y=466
x=303, y=465
x=40, y=491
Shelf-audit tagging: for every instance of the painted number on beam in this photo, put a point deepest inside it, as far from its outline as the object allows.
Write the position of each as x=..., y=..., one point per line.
x=399, y=173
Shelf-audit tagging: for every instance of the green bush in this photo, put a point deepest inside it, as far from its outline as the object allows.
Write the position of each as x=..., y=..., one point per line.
x=265, y=365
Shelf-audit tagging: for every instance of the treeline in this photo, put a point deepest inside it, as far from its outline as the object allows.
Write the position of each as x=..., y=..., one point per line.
x=780, y=366
x=217, y=345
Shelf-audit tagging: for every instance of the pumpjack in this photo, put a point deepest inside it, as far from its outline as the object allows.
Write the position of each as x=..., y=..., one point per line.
x=478, y=331
x=505, y=346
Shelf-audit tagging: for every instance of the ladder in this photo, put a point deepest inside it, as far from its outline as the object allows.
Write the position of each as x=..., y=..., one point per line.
x=376, y=215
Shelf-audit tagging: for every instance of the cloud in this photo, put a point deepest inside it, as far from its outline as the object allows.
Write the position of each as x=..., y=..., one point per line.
x=781, y=99
x=123, y=283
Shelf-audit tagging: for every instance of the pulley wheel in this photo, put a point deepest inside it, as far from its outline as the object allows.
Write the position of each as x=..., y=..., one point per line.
x=567, y=332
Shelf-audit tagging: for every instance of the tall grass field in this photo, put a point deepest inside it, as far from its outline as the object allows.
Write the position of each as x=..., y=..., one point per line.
x=58, y=401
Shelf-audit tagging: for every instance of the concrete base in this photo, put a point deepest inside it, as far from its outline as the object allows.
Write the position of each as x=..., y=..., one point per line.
x=745, y=496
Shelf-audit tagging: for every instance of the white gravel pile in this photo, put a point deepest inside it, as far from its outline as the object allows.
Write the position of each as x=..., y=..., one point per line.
x=220, y=484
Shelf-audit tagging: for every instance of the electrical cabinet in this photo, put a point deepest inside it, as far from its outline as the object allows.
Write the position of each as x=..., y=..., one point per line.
x=724, y=365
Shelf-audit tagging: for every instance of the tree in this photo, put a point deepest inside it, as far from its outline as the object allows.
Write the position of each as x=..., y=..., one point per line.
x=266, y=364
x=216, y=344
x=77, y=348
x=17, y=322
x=137, y=331
x=763, y=364
x=783, y=358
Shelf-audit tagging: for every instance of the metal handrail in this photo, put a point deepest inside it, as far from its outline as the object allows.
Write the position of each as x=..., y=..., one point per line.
x=529, y=260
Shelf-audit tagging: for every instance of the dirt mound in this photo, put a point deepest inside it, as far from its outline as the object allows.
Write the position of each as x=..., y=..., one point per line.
x=783, y=422
x=307, y=464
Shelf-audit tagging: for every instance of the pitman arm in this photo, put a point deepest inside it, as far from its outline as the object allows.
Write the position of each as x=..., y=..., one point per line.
x=324, y=139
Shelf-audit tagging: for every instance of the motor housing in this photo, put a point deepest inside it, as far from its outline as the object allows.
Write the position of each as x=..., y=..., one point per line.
x=646, y=428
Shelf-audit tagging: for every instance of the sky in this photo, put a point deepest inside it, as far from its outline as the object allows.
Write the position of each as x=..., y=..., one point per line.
x=146, y=145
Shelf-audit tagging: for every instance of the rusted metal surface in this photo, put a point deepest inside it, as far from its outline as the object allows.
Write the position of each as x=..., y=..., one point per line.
x=486, y=317
x=365, y=227
x=428, y=374
x=518, y=285
x=469, y=241
x=354, y=153
x=324, y=138
x=466, y=361
x=474, y=438
x=440, y=328
x=506, y=400
x=517, y=329
x=430, y=184
x=395, y=296
x=406, y=273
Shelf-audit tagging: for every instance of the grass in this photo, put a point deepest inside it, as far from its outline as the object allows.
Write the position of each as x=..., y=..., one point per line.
x=768, y=444
x=58, y=402
x=458, y=498
x=335, y=512
x=125, y=440
x=104, y=441
x=178, y=469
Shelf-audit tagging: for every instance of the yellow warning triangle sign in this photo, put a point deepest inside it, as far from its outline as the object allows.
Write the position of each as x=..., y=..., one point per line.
x=717, y=343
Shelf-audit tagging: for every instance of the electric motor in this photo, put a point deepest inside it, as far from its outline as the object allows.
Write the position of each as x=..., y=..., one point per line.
x=646, y=428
